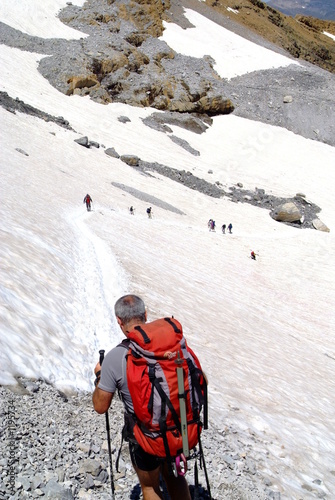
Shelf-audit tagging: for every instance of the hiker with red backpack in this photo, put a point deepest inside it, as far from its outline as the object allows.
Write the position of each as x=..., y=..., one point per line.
x=163, y=390
x=88, y=200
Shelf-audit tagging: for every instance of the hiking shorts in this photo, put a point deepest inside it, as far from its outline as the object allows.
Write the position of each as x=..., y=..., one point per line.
x=141, y=459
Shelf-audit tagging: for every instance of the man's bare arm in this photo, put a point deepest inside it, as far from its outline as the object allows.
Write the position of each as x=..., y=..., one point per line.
x=101, y=400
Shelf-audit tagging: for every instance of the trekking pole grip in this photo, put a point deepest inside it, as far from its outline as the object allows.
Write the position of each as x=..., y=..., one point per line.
x=101, y=356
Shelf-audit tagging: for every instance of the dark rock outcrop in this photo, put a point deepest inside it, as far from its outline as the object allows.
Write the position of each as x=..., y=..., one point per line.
x=123, y=60
x=16, y=105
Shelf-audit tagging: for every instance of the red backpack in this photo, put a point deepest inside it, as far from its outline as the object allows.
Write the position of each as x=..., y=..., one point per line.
x=156, y=350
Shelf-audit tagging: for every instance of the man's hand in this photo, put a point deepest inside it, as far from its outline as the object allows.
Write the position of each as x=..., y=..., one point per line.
x=101, y=399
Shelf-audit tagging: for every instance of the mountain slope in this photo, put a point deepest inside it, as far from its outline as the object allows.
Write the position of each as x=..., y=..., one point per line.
x=263, y=329
x=301, y=36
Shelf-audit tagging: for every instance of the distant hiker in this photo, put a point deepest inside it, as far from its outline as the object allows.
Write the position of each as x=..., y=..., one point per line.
x=211, y=225
x=125, y=370
x=253, y=255
x=88, y=201
x=149, y=212
x=230, y=227
x=132, y=210
x=223, y=228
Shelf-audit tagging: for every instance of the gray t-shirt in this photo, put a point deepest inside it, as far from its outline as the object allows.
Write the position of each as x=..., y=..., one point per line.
x=114, y=375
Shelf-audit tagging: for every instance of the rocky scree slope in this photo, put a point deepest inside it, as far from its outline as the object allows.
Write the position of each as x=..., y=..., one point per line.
x=122, y=60
x=61, y=451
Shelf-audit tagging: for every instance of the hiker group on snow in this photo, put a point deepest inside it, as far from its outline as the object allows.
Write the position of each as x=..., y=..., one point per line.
x=210, y=224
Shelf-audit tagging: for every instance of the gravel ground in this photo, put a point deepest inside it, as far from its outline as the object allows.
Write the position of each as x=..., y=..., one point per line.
x=54, y=446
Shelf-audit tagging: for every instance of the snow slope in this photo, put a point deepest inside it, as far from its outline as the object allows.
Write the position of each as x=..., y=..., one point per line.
x=264, y=330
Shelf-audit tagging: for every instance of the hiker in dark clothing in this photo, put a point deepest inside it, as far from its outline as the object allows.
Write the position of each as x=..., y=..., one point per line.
x=149, y=212
x=230, y=227
x=223, y=228
x=130, y=312
x=211, y=225
x=88, y=200
x=132, y=210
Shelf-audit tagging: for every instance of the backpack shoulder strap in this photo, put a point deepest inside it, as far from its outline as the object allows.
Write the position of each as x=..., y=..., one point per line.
x=125, y=343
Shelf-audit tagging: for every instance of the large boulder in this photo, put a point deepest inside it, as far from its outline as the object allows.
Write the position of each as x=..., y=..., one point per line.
x=287, y=212
x=81, y=82
x=216, y=105
x=130, y=160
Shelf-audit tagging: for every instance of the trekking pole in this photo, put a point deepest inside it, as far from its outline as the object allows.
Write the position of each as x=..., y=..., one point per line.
x=101, y=358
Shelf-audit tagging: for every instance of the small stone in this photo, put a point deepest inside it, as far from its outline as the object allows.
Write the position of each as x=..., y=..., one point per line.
x=36, y=482
x=228, y=459
x=32, y=387
x=123, y=119
x=82, y=141
x=90, y=467
x=84, y=494
x=111, y=152
x=320, y=226
x=56, y=491
x=85, y=447
x=103, y=476
x=38, y=493
x=19, y=150
x=24, y=483
x=89, y=482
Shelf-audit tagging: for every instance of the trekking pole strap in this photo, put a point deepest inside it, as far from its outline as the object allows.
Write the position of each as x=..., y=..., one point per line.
x=162, y=427
x=202, y=458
